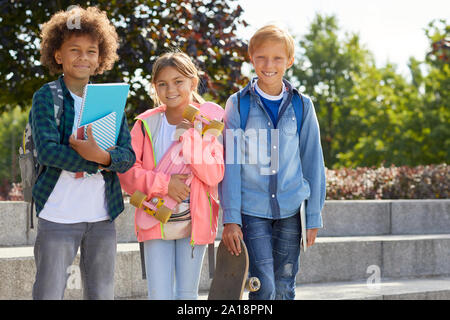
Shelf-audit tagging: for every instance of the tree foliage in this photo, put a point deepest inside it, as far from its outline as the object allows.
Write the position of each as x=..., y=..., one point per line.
x=147, y=28
x=434, y=85
x=369, y=115
x=11, y=128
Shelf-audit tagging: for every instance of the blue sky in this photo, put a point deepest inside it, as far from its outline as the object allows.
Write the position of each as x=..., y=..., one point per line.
x=391, y=29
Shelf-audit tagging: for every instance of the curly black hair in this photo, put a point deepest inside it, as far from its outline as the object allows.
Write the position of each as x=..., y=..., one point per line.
x=78, y=21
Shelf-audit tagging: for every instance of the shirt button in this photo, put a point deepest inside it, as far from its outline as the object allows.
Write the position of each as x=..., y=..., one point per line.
x=268, y=123
x=274, y=171
x=274, y=147
x=273, y=195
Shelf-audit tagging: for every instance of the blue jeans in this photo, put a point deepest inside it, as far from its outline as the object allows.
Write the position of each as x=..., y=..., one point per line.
x=173, y=269
x=54, y=252
x=274, y=251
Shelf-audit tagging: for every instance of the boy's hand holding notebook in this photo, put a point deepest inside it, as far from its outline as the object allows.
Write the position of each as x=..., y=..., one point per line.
x=103, y=108
x=103, y=131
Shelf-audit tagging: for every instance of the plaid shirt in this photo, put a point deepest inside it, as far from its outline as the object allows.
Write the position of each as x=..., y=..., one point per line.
x=55, y=153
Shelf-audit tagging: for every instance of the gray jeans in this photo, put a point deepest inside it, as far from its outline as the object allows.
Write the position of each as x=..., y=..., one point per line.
x=55, y=249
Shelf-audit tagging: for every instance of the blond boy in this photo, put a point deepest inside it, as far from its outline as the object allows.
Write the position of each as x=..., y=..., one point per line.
x=263, y=208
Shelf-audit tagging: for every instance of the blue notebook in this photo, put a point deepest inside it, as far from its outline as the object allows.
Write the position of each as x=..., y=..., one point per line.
x=101, y=99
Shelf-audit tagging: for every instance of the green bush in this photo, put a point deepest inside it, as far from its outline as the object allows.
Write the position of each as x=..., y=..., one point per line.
x=422, y=182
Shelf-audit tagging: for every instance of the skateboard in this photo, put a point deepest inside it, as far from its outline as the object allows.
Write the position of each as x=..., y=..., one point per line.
x=209, y=114
x=230, y=276
x=159, y=209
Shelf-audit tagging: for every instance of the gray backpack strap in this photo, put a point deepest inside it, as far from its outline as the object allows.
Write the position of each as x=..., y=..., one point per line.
x=58, y=99
x=58, y=102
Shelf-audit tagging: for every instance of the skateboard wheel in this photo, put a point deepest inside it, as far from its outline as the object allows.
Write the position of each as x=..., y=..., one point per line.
x=215, y=127
x=190, y=112
x=137, y=198
x=253, y=284
x=163, y=214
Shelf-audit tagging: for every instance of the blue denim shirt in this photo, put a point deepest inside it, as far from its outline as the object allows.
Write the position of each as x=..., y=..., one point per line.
x=269, y=171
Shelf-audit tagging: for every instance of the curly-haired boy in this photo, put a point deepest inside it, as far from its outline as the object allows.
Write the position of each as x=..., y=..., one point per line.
x=76, y=212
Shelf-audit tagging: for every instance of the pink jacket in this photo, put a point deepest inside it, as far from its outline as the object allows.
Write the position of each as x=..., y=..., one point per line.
x=204, y=204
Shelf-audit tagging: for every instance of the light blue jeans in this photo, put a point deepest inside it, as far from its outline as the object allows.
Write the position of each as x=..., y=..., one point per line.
x=173, y=269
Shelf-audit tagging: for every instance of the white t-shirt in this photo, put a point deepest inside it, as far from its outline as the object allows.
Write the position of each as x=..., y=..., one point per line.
x=165, y=137
x=76, y=200
x=268, y=96
x=179, y=225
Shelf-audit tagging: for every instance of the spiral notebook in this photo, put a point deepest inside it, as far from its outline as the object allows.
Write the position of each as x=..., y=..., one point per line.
x=100, y=100
x=102, y=129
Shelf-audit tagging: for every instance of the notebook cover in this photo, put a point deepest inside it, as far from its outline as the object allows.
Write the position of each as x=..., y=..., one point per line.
x=102, y=130
x=102, y=99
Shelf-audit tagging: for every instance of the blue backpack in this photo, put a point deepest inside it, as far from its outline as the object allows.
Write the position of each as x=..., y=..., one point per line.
x=297, y=102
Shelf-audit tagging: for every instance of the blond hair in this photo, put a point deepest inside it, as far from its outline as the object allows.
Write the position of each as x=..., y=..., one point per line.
x=272, y=32
x=183, y=64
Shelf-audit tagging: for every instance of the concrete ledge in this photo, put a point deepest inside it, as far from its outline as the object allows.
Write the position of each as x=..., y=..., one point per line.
x=383, y=217
x=387, y=289
x=436, y=288
x=355, y=218
x=349, y=258
x=340, y=218
x=18, y=270
x=420, y=216
x=15, y=224
x=330, y=260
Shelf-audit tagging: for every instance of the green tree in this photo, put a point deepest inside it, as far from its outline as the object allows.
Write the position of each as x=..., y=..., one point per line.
x=434, y=85
x=327, y=67
x=369, y=115
x=386, y=108
x=203, y=29
x=11, y=129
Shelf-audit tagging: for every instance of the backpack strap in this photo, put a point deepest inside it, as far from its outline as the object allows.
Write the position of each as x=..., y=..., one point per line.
x=243, y=108
x=297, y=102
x=58, y=99
x=58, y=105
x=299, y=110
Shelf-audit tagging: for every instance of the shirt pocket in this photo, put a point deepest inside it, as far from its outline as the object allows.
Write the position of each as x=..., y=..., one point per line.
x=257, y=121
x=288, y=124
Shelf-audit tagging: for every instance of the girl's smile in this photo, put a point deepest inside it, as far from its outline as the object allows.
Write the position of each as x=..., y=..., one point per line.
x=174, y=90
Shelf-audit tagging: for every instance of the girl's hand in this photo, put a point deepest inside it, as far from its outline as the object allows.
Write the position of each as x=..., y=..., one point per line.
x=178, y=190
x=181, y=128
x=89, y=149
